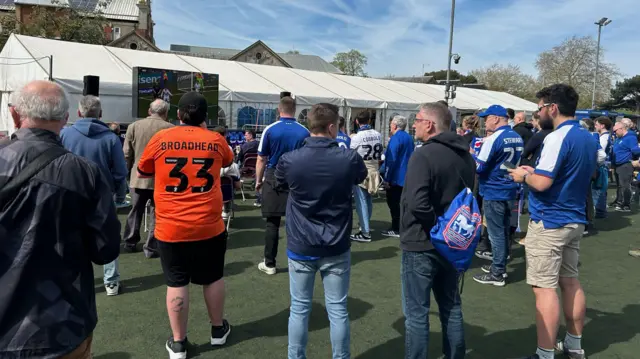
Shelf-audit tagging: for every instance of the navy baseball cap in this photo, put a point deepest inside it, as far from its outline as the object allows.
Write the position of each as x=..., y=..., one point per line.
x=193, y=102
x=494, y=110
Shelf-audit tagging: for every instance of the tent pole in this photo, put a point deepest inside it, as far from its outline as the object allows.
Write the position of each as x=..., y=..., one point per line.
x=50, y=67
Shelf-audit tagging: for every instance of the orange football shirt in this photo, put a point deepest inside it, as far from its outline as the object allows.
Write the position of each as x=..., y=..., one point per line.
x=186, y=161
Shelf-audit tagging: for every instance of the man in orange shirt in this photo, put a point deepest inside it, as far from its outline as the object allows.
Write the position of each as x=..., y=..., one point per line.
x=192, y=239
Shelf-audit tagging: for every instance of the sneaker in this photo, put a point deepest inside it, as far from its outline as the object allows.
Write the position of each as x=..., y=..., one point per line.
x=361, y=237
x=635, y=253
x=569, y=353
x=487, y=269
x=219, y=334
x=489, y=279
x=112, y=288
x=391, y=233
x=620, y=208
x=264, y=268
x=124, y=204
x=612, y=204
x=486, y=255
x=177, y=350
x=257, y=204
x=225, y=215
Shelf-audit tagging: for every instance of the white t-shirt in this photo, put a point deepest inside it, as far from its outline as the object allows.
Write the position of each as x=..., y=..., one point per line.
x=368, y=144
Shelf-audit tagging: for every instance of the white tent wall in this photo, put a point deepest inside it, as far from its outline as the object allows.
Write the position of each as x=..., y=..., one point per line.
x=247, y=91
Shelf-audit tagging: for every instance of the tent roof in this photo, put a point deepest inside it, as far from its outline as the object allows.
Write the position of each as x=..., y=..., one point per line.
x=238, y=81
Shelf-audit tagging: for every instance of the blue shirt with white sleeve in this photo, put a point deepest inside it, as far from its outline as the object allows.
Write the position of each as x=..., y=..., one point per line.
x=569, y=158
x=505, y=145
x=281, y=137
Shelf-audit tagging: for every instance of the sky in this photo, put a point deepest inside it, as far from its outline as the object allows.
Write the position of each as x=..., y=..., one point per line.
x=401, y=37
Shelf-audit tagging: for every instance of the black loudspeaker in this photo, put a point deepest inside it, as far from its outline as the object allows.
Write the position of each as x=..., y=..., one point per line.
x=285, y=94
x=91, y=85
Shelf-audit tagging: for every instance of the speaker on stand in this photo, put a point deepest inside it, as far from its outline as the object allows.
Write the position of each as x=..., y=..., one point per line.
x=91, y=85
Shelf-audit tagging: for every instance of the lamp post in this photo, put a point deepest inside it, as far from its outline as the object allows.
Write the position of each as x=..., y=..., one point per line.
x=602, y=22
x=450, y=57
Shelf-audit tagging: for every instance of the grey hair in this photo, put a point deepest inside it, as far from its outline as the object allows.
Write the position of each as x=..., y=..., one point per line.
x=41, y=103
x=584, y=125
x=90, y=107
x=159, y=107
x=627, y=123
x=441, y=113
x=400, y=121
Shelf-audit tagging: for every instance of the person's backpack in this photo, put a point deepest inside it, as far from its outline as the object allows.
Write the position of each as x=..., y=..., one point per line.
x=457, y=232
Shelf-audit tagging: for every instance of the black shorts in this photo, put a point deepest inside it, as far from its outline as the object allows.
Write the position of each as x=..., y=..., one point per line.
x=198, y=262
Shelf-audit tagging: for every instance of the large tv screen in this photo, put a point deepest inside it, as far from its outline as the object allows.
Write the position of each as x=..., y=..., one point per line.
x=170, y=85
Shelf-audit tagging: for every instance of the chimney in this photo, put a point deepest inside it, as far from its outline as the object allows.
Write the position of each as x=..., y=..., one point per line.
x=144, y=16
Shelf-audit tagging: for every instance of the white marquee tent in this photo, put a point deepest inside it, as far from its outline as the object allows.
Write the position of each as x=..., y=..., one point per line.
x=242, y=85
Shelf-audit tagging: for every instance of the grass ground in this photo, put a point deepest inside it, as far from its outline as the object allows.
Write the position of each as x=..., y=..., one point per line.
x=499, y=322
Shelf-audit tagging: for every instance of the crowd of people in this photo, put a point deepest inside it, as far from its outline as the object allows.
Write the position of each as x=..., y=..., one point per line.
x=60, y=187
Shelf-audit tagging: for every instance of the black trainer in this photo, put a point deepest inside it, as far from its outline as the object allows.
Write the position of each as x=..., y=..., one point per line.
x=219, y=334
x=361, y=237
x=177, y=350
x=487, y=269
x=489, y=278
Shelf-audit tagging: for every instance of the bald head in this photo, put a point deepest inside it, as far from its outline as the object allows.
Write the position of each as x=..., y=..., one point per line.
x=520, y=118
x=159, y=108
x=40, y=104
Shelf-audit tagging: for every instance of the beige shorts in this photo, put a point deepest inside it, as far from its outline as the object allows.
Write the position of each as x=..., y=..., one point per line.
x=552, y=253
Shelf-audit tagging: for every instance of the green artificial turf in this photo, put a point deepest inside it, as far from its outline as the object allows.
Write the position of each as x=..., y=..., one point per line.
x=499, y=322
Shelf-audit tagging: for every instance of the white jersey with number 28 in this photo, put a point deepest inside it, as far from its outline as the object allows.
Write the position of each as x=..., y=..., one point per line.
x=368, y=144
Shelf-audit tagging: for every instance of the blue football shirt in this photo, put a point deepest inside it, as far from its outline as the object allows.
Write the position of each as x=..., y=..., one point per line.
x=569, y=158
x=281, y=137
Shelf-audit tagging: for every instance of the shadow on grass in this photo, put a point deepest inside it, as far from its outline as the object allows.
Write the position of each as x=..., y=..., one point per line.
x=277, y=325
x=380, y=253
x=115, y=355
x=603, y=330
x=141, y=284
x=613, y=222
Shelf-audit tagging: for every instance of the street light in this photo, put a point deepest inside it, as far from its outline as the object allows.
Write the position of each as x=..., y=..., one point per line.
x=457, y=59
x=603, y=22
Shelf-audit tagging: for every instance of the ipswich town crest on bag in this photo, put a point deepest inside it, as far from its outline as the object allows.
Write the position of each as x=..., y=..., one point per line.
x=457, y=232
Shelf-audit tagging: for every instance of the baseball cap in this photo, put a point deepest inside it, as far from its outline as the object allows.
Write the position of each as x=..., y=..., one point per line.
x=193, y=103
x=494, y=110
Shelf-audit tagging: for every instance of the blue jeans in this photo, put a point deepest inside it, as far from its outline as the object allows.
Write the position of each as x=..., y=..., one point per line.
x=364, y=206
x=111, y=272
x=600, y=199
x=498, y=215
x=421, y=272
x=335, y=273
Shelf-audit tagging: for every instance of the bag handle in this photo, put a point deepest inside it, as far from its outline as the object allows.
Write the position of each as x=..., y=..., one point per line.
x=10, y=188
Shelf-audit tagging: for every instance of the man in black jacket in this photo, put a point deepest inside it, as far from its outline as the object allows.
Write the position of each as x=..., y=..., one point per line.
x=436, y=173
x=522, y=128
x=60, y=221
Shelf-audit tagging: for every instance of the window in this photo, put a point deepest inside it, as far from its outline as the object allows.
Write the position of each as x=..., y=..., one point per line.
x=116, y=33
x=133, y=46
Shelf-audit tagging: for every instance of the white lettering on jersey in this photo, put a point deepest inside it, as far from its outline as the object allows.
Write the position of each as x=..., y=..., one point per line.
x=368, y=144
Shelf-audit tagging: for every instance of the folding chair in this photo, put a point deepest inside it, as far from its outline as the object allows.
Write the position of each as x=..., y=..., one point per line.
x=226, y=186
x=248, y=170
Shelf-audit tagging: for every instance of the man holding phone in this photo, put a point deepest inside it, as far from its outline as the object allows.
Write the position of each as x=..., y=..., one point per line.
x=500, y=152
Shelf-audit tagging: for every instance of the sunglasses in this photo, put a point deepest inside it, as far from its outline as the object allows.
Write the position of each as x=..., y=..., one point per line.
x=544, y=105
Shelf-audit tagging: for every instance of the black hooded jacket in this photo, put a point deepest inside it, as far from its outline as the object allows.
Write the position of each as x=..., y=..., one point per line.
x=524, y=129
x=436, y=173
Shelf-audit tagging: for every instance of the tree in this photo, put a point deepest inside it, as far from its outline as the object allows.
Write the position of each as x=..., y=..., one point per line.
x=61, y=22
x=350, y=63
x=573, y=62
x=454, y=75
x=507, y=78
x=625, y=94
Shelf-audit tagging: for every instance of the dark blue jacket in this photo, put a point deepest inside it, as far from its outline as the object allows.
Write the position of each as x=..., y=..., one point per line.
x=92, y=139
x=397, y=157
x=320, y=176
x=625, y=148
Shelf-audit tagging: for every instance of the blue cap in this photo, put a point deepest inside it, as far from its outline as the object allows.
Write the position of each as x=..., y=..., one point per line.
x=494, y=110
